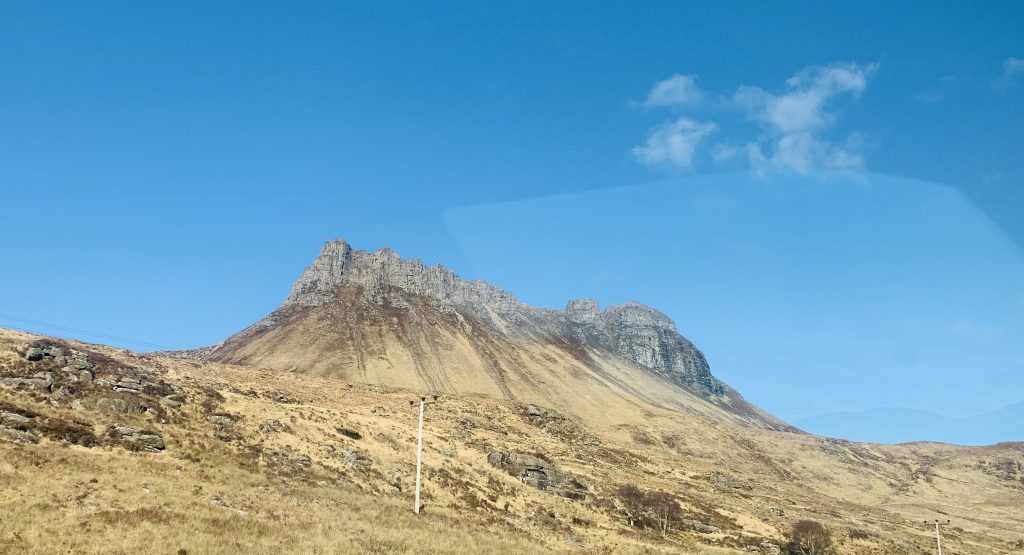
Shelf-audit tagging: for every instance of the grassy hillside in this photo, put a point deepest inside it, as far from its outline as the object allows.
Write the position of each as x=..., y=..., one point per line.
x=159, y=455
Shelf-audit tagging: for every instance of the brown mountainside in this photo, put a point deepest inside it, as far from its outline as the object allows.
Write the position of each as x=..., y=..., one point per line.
x=376, y=318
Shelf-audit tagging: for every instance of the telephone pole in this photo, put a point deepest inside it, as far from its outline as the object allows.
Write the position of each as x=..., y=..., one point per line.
x=938, y=537
x=419, y=448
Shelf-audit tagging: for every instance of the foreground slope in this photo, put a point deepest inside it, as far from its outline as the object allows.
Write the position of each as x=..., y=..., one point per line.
x=376, y=318
x=104, y=450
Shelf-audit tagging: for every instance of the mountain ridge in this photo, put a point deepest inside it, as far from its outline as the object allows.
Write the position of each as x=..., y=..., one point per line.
x=378, y=318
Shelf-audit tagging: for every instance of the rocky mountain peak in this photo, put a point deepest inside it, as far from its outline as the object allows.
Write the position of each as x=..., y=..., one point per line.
x=319, y=281
x=382, y=274
x=633, y=331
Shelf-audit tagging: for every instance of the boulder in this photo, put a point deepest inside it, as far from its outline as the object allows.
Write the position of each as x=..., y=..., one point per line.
x=537, y=472
x=172, y=401
x=222, y=420
x=13, y=419
x=355, y=459
x=281, y=397
x=40, y=381
x=61, y=395
x=37, y=353
x=79, y=360
x=141, y=440
x=18, y=436
x=270, y=426
x=118, y=405
x=698, y=526
x=128, y=385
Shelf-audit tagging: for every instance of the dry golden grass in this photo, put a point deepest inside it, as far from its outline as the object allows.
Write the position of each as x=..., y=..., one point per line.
x=221, y=491
x=77, y=500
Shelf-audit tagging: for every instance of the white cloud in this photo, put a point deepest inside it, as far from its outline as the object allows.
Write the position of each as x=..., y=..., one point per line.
x=793, y=122
x=673, y=145
x=675, y=92
x=1012, y=67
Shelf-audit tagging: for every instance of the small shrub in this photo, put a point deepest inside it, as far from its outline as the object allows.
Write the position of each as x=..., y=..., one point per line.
x=808, y=537
x=78, y=433
x=648, y=510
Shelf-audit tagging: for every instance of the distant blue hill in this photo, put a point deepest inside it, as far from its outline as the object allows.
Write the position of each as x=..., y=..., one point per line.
x=900, y=425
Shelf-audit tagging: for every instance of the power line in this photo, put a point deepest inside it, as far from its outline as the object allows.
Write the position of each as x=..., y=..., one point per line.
x=81, y=331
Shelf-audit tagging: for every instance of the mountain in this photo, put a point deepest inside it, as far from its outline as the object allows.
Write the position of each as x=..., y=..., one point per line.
x=373, y=317
x=875, y=425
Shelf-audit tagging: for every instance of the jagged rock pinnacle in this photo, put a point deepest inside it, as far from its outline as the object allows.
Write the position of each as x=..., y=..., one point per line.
x=318, y=283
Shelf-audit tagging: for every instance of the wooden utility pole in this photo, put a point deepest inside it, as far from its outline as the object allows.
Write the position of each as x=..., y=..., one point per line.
x=419, y=448
x=938, y=536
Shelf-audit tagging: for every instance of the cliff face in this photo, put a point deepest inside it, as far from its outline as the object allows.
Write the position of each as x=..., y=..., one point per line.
x=378, y=273
x=374, y=317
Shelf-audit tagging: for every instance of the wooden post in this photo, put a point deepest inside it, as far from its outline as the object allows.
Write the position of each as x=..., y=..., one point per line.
x=419, y=457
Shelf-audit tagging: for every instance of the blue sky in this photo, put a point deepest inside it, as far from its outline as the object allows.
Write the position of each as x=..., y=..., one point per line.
x=166, y=171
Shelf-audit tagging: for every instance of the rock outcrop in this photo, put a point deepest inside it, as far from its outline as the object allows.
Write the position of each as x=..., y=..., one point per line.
x=136, y=440
x=381, y=271
x=647, y=337
x=536, y=472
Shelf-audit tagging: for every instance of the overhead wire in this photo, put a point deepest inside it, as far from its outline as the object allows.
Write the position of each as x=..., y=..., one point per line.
x=98, y=335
